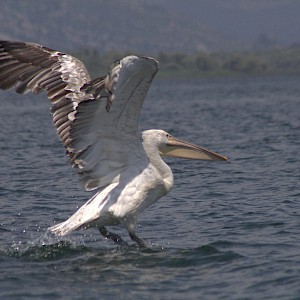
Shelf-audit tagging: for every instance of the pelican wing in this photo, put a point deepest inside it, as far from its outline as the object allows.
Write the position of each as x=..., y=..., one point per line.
x=96, y=120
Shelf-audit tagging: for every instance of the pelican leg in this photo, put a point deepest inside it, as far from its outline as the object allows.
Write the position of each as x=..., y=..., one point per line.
x=115, y=237
x=142, y=243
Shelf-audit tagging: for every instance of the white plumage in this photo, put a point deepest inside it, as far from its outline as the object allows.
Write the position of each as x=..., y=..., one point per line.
x=97, y=121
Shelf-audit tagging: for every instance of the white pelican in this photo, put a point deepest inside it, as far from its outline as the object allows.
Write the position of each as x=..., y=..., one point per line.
x=97, y=122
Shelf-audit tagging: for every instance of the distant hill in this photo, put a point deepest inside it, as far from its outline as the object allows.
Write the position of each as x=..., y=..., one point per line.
x=153, y=26
x=119, y=25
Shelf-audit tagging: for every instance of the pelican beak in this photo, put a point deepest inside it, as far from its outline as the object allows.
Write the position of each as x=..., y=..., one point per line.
x=179, y=148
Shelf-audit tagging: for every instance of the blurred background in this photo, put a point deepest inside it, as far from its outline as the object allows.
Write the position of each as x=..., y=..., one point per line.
x=207, y=37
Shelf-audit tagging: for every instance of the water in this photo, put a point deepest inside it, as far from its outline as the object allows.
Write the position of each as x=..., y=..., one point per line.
x=226, y=231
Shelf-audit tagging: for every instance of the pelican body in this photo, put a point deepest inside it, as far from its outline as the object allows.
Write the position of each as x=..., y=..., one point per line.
x=97, y=122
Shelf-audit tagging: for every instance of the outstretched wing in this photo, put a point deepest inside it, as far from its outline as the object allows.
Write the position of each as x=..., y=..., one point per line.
x=96, y=120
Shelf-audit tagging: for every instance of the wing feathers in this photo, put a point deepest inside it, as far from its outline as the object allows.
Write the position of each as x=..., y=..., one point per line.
x=86, y=113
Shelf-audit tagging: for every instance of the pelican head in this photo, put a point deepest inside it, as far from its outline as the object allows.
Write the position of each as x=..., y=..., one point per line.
x=168, y=145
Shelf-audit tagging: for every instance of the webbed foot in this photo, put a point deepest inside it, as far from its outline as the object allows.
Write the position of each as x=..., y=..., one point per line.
x=142, y=243
x=114, y=237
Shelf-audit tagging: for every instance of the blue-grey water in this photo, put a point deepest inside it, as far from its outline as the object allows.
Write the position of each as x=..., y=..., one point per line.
x=226, y=231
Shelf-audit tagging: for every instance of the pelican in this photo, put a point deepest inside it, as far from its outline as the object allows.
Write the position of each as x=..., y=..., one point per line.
x=97, y=122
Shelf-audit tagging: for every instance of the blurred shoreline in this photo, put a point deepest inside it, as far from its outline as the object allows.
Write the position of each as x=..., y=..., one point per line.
x=281, y=61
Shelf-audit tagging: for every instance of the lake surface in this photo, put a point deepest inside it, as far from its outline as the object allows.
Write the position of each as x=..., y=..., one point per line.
x=226, y=230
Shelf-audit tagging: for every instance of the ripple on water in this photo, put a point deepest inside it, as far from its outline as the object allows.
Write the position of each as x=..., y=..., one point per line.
x=85, y=256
